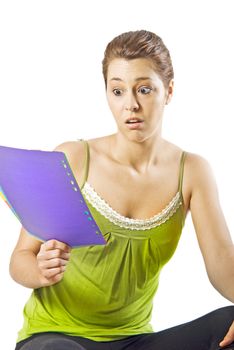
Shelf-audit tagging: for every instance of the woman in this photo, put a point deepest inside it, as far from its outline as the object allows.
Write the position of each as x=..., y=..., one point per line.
x=139, y=188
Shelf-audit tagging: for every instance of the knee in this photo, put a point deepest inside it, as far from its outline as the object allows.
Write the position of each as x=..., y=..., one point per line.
x=61, y=344
x=50, y=343
x=226, y=312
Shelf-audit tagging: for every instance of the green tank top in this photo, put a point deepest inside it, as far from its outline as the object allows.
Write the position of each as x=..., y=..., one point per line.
x=107, y=291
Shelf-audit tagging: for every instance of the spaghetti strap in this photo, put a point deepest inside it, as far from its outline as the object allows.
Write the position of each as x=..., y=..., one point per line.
x=86, y=162
x=180, y=182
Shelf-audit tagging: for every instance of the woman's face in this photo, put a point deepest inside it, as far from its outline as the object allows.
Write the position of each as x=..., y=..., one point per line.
x=136, y=91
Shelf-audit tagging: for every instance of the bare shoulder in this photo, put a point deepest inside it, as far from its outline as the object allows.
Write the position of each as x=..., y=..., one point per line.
x=69, y=146
x=75, y=152
x=199, y=172
x=197, y=164
x=77, y=146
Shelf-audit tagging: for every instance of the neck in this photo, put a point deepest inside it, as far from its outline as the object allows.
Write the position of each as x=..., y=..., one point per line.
x=138, y=155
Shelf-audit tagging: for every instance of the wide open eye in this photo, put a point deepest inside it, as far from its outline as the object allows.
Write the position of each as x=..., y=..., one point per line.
x=144, y=90
x=117, y=92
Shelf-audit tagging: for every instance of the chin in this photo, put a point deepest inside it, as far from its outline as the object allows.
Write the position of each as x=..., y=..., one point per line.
x=135, y=137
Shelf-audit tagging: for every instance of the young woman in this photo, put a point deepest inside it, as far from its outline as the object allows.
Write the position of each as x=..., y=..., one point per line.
x=139, y=188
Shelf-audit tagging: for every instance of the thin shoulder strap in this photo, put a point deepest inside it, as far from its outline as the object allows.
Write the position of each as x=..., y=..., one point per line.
x=180, y=182
x=86, y=161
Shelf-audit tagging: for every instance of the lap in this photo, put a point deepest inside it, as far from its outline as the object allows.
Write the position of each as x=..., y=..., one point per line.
x=203, y=333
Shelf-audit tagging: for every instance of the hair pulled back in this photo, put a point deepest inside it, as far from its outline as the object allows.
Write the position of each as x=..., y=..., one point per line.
x=140, y=44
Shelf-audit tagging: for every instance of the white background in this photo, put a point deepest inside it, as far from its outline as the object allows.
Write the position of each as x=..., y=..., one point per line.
x=51, y=91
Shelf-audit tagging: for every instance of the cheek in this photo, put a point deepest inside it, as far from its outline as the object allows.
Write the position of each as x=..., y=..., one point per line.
x=154, y=111
x=115, y=105
x=151, y=106
x=155, y=104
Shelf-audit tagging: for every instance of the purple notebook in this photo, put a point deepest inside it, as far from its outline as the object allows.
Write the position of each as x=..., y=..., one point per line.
x=41, y=190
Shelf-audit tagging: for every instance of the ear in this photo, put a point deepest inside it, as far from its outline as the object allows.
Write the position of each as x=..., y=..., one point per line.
x=170, y=91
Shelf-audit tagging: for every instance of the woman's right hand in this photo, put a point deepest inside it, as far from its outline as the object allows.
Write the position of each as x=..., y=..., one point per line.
x=52, y=259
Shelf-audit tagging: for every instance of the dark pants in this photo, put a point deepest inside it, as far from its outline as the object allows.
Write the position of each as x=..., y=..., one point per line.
x=204, y=333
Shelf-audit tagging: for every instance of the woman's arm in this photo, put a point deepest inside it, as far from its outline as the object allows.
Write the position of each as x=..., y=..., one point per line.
x=35, y=264
x=212, y=232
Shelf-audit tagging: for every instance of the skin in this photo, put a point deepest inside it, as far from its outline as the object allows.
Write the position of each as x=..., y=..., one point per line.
x=138, y=163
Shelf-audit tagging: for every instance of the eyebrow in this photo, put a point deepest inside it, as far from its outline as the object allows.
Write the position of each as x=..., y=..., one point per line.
x=137, y=79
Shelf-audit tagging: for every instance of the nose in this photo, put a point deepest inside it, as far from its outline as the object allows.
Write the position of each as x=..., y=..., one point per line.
x=131, y=104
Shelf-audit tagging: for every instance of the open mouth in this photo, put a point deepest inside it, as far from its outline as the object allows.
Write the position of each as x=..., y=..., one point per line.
x=134, y=121
x=134, y=124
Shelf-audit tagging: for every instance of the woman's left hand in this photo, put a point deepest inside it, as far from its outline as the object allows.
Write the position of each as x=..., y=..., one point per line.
x=229, y=337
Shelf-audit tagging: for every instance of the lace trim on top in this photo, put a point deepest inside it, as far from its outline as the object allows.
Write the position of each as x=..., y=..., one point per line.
x=133, y=224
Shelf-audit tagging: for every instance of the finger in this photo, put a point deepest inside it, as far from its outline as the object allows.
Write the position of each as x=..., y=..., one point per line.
x=53, y=254
x=51, y=273
x=48, y=264
x=229, y=337
x=57, y=278
x=50, y=281
x=226, y=341
x=54, y=244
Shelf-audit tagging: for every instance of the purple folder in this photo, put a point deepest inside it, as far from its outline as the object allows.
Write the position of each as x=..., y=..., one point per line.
x=41, y=190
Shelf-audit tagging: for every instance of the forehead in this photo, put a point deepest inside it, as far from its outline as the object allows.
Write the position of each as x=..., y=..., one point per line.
x=122, y=69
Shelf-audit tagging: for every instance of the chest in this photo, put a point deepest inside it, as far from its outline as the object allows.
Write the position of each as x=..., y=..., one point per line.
x=130, y=195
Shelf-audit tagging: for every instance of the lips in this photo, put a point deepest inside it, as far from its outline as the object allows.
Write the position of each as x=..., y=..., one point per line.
x=134, y=120
x=134, y=123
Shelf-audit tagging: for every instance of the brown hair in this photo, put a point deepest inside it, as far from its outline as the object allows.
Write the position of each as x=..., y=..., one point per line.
x=140, y=44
